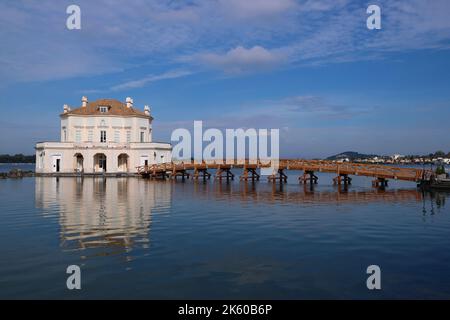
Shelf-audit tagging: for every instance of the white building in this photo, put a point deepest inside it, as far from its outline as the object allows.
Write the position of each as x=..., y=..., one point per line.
x=103, y=136
x=397, y=157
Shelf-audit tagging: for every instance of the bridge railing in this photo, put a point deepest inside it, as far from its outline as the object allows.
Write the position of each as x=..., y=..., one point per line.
x=373, y=170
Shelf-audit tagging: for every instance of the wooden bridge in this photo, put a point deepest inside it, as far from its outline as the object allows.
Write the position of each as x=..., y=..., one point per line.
x=343, y=171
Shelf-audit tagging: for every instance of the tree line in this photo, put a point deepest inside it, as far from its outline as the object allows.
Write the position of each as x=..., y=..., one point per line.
x=437, y=154
x=17, y=158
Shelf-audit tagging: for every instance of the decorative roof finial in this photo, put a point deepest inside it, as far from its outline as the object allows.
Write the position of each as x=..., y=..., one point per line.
x=84, y=101
x=129, y=102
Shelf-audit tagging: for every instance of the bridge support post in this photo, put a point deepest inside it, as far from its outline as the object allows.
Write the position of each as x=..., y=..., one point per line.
x=228, y=174
x=160, y=174
x=280, y=175
x=182, y=173
x=380, y=183
x=249, y=173
x=201, y=173
x=342, y=178
x=308, y=176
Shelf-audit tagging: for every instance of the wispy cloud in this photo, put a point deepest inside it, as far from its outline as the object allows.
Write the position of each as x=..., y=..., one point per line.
x=229, y=35
x=287, y=112
x=148, y=79
x=256, y=9
x=319, y=107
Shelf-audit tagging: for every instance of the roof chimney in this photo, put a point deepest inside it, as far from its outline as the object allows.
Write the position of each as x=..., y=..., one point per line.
x=84, y=101
x=66, y=108
x=147, y=110
x=129, y=102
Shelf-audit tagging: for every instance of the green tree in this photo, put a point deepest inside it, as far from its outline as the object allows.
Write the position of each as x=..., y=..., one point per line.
x=439, y=153
x=440, y=170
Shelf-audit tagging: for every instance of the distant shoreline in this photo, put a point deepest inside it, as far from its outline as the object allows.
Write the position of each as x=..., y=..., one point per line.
x=14, y=163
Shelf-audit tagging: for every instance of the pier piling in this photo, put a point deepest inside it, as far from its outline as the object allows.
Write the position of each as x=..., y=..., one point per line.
x=308, y=176
x=342, y=178
x=249, y=173
x=227, y=171
x=201, y=172
x=280, y=176
x=380, y=183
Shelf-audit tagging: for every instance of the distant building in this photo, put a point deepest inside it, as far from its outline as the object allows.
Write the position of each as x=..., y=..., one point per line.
x=103, y=136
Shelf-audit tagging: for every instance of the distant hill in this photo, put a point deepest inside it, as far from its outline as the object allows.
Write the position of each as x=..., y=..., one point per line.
x=351, y=155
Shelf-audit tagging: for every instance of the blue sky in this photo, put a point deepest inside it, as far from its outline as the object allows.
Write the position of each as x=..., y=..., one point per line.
x=310, y=68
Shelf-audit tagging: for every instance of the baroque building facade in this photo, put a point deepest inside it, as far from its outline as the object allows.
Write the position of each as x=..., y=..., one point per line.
x=105, y=136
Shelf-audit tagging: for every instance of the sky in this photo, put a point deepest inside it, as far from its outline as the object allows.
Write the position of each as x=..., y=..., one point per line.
x=309, y=68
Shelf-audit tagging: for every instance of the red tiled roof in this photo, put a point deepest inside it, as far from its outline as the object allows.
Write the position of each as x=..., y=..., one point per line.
x=115, y=108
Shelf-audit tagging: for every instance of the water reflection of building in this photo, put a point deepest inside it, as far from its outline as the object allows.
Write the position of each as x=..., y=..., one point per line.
x=108, y=215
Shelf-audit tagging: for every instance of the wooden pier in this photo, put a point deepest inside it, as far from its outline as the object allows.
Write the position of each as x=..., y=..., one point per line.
x=343, y=171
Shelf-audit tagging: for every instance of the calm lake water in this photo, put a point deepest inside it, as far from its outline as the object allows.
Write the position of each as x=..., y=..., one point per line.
x=6, y=167
x=135, y=238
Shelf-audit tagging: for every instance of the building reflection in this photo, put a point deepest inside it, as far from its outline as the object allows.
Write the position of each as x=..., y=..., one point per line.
x=109, y=216
x=114, y=215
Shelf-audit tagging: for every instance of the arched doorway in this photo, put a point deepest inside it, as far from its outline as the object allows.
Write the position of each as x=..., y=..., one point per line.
x=100, y=162
x=79, y=161
x=122, y=162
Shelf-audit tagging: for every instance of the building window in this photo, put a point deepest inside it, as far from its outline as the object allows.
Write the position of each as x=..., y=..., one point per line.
x=90, y=134
x=103, y=109
x=78, y=136
x=65, y=135
x=41, y=160
x=102, y=136
x=116, y=136
x=128, y=136
x=142, y=136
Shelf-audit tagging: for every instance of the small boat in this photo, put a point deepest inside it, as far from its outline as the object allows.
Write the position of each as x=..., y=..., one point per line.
x=440, y=183
x=440, y=179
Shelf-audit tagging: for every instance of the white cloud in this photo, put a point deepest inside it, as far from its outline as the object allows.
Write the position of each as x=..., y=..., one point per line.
x=241, y=60
x=256, y=8
x=148, y=79
x=324, y=5
x=37, y=46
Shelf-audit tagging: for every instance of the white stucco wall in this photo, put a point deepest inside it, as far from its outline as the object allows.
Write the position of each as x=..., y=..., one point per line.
x=48, y=152
x=84, y=124
x=76, y=133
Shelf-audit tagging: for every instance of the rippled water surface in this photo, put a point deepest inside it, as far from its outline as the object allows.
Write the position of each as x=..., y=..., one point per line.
x=135, y=238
